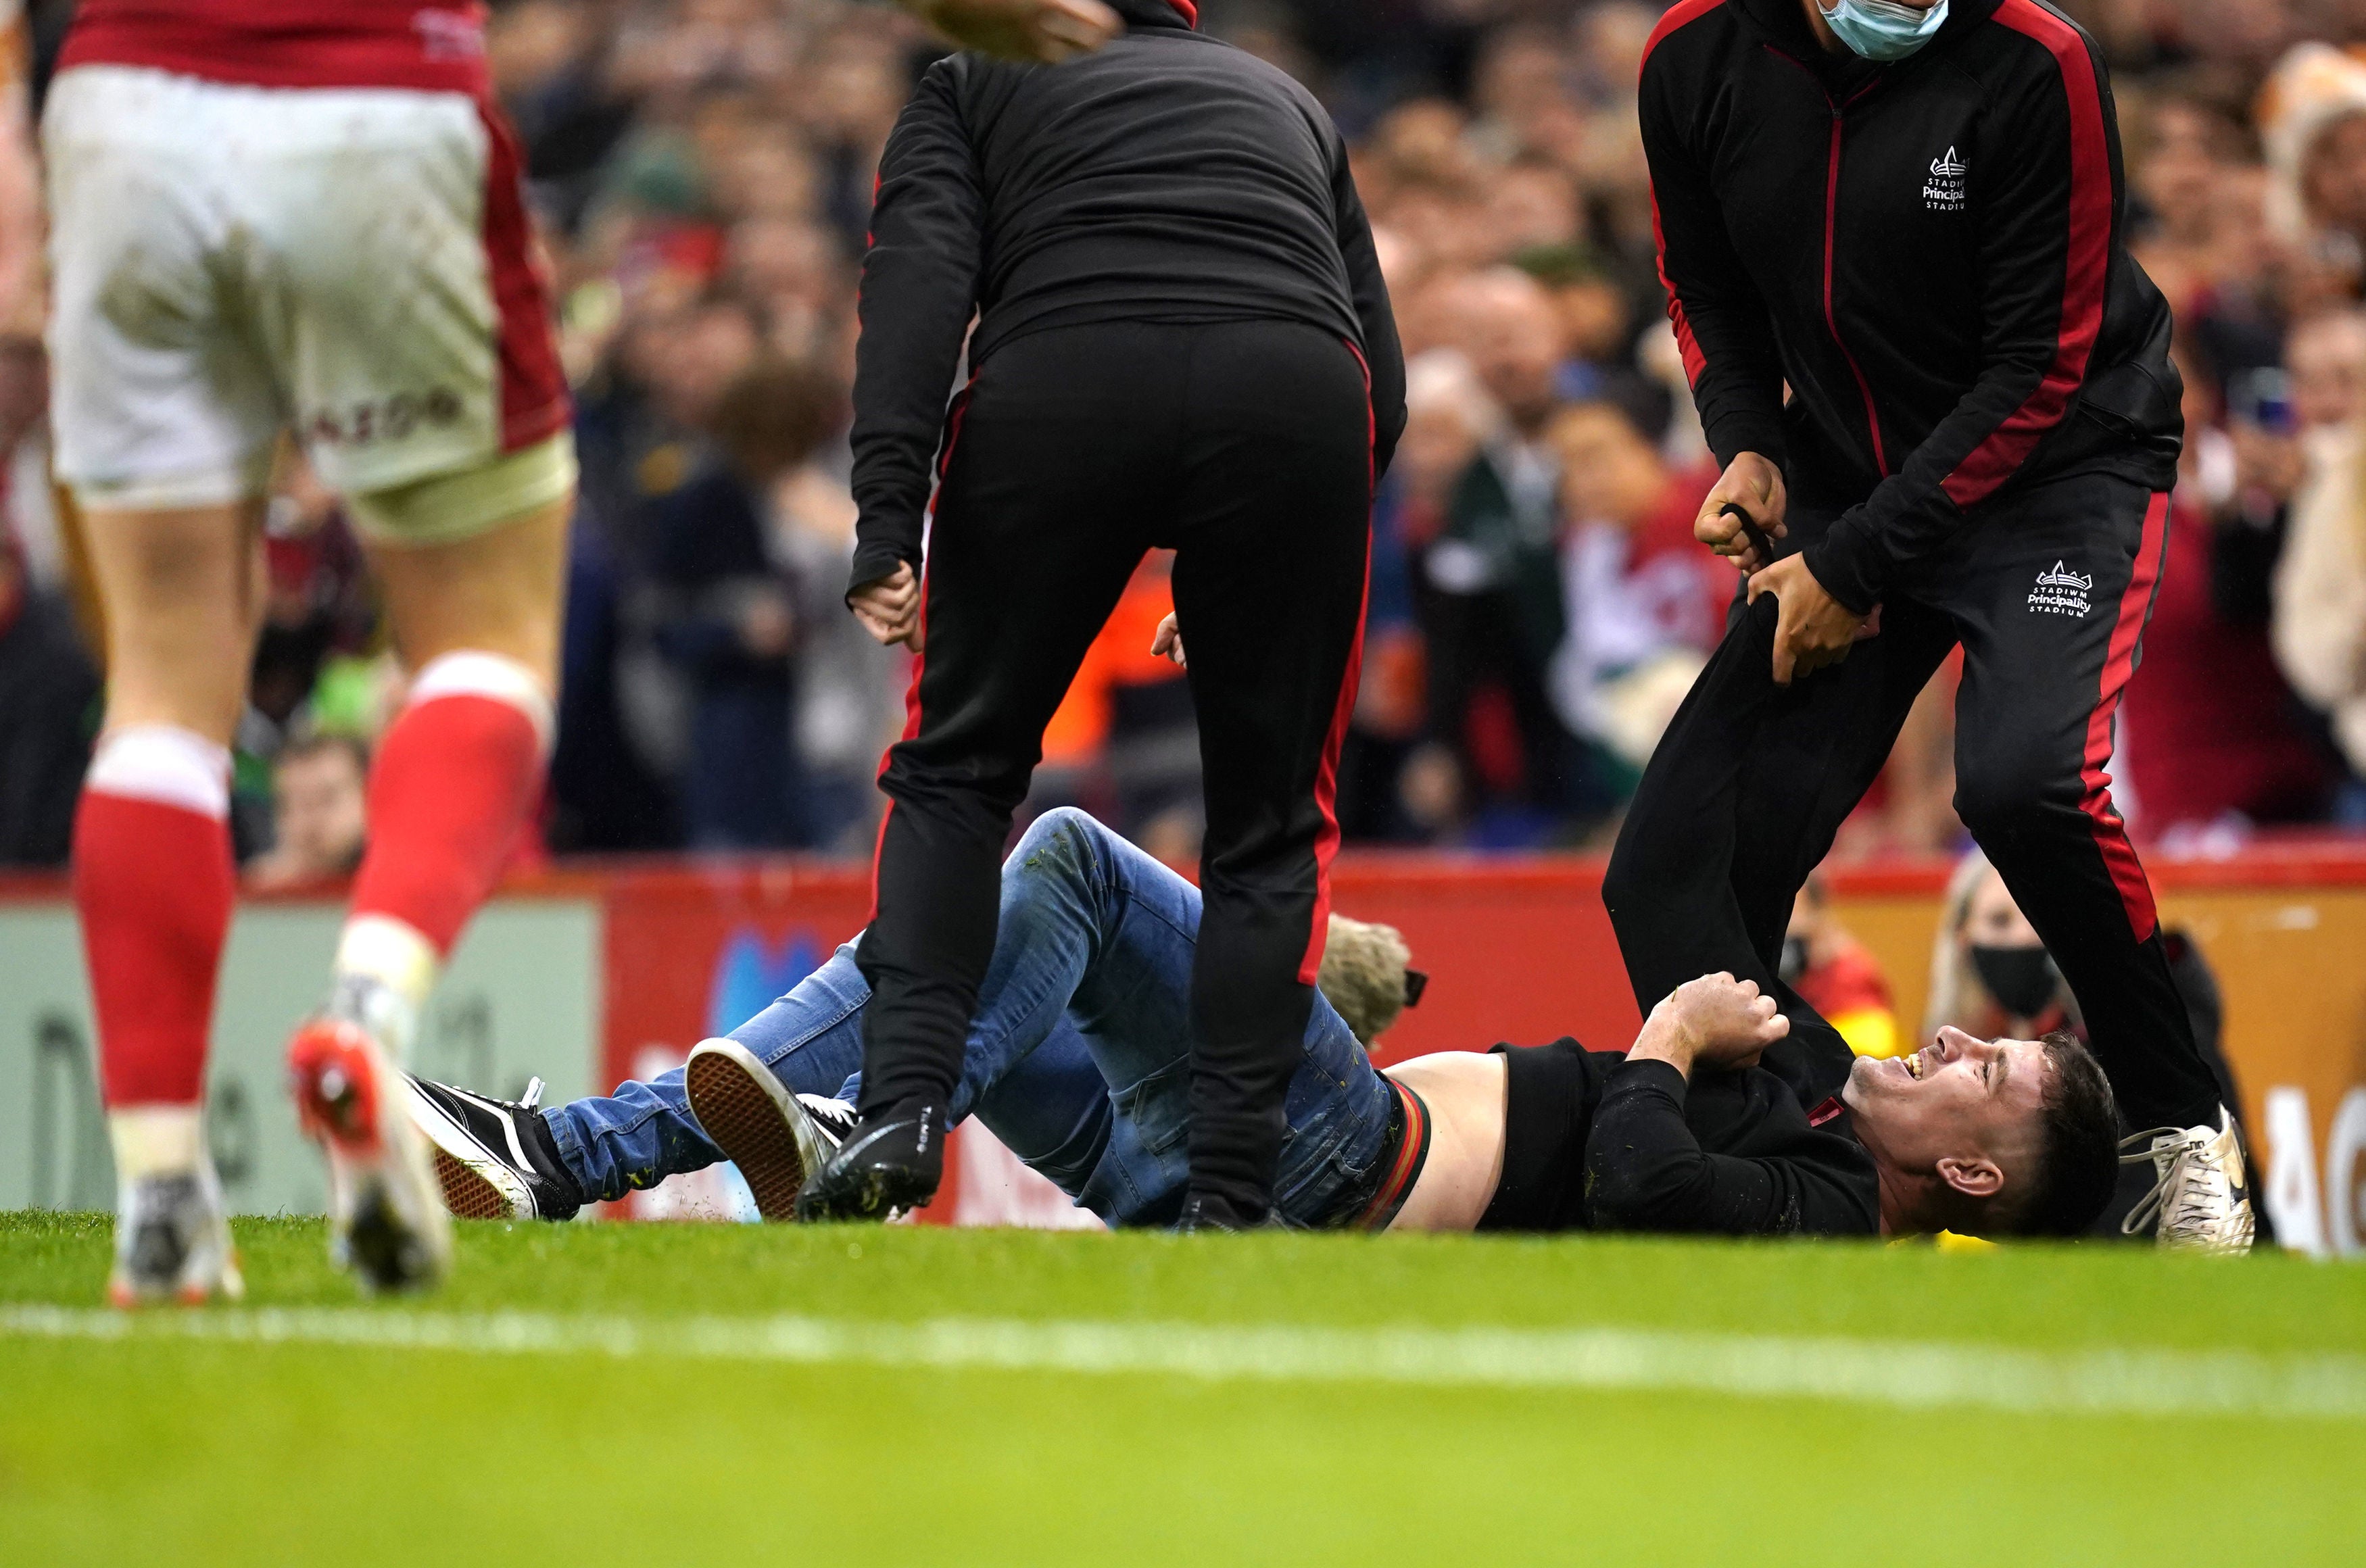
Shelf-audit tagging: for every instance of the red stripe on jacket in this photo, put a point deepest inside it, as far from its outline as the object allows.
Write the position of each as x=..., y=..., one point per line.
x=1996, y=459
x=1694, y=361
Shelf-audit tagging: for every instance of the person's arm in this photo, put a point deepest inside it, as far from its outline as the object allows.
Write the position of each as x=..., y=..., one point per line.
x=1383, y=354
x=1723, y=327
x=2043, y=215
x=1644, y=1168
x=920, y=288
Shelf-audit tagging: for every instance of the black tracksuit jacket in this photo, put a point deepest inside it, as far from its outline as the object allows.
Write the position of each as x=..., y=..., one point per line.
x=1056, y=196
x=1929, y=252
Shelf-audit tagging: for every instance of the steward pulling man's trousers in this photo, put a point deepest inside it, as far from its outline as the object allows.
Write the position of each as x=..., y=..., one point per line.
x=1246, y=447
x=2048, y=591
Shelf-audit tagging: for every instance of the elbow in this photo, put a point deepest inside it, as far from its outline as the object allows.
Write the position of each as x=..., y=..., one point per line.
x=1632, y=1195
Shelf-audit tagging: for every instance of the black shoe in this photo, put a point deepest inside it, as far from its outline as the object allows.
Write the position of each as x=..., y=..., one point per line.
x=1206, y=1211
x=776, y=1138
x=494, y=1159
x=889, y=1162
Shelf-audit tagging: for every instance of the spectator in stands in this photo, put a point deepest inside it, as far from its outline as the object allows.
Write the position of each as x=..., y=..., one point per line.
x=730, y=623
x=2211, y=742
x=1838, y=975
x=1646, y=603
x=320, y=813
x=48, y=711
x=2320, y=602
x=1489, y=591
x=1991, y=975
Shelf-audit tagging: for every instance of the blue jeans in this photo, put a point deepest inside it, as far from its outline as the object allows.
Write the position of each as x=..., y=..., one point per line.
x=1078, y=1057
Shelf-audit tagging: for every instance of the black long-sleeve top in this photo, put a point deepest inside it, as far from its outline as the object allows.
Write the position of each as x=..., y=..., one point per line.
x=1592, y=1141
x=1928, y=254
x=1167, y=177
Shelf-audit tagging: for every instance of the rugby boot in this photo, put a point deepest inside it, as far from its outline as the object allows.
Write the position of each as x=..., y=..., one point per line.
x=172, y=1241
x=2200, y=1200
x=888, y=1163
x=776, y=1138
x=493, y=1158
x=386, y=1222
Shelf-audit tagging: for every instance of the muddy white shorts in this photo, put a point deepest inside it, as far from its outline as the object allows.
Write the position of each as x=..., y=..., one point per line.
x=350, y=263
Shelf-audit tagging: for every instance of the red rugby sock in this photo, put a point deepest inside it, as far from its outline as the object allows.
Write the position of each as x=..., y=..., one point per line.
x=453, y=780
x=154, y=886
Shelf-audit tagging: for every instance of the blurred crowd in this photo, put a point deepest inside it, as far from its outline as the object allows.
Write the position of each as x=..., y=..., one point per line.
x=701, y=171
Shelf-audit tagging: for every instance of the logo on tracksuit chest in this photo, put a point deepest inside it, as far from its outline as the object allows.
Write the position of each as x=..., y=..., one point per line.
x=1943, y=190
x=2060, y=592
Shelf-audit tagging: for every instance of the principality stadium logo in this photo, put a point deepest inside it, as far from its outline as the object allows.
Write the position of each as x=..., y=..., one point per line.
x=2060, y=592
x=1944, y=190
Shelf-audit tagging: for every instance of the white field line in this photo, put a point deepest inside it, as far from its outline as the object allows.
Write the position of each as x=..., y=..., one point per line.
x=1905, y=1375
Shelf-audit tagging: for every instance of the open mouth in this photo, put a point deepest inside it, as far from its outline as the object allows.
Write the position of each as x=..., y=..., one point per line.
x=1913, y=1064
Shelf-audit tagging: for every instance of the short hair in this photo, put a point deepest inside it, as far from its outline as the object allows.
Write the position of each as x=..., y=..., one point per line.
x=2078, y=1144
x=1363, y=976
x=325, y=743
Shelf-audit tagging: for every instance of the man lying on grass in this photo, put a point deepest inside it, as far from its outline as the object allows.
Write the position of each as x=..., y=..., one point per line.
x=1714, y=1122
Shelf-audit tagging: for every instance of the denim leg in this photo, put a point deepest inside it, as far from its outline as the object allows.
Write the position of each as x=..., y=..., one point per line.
x=1130, y=1002
x=644, y=1132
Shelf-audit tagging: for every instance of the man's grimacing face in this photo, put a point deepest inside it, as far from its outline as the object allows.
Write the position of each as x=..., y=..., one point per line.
x=1959, y=1099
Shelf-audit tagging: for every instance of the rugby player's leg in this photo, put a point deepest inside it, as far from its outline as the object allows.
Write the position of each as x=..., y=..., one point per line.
x=153, y=882
x=164, y=419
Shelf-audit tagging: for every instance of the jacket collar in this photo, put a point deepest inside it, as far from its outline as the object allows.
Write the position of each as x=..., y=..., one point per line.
x=1157, y=13
x=1782, y=24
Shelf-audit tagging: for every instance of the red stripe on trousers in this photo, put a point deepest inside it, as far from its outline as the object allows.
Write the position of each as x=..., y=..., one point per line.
x=2110, y=833
x=533, y=396
x=1326, y=776
x=920, y=657
x=1993, y=462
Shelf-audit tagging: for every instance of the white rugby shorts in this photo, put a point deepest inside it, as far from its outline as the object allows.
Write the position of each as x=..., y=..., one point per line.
x=230, y=261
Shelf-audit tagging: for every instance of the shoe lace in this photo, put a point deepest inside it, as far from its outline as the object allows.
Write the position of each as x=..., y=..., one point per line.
x=533, y=1094
x=2168, y=1190
x=2192, y=1197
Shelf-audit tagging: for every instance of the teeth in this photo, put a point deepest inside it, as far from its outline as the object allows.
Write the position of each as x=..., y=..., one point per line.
x=1914, y=1064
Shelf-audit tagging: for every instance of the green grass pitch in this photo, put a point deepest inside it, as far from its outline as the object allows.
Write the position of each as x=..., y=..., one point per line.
x=157, y=1446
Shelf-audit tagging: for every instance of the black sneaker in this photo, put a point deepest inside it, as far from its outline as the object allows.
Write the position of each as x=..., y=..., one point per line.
x=1206, y=1211
x=776, y=1138
x=887, y=1163
x=495, y=1159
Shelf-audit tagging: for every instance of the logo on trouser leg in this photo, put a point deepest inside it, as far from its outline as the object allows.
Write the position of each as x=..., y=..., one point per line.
x=2060, y=592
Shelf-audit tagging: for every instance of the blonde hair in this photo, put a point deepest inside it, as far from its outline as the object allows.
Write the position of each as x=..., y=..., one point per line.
x=1957, y=995
x=1363, y=975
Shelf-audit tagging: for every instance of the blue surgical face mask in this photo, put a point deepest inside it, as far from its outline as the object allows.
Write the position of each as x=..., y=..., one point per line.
x=1882, y=29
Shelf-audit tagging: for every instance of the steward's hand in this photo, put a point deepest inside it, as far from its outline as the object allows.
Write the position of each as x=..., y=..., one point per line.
x=1168, y=641
x=889, y=607
x=1716, y=1020
x=1045, y=30
x=1755, y=485
x=1814, y=629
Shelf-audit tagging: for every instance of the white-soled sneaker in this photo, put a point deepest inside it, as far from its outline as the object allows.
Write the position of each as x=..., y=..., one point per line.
x=2201, y=1198
x=386, y=1221
x=172, y=1241
x=776, y=1138
x=494, y=1159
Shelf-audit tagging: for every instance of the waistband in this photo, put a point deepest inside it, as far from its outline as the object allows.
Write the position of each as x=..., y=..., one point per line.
x=1401, y=1159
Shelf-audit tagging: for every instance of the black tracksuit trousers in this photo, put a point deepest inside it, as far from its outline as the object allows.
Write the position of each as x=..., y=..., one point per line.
x=1246, y=447
x=2049, y=590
